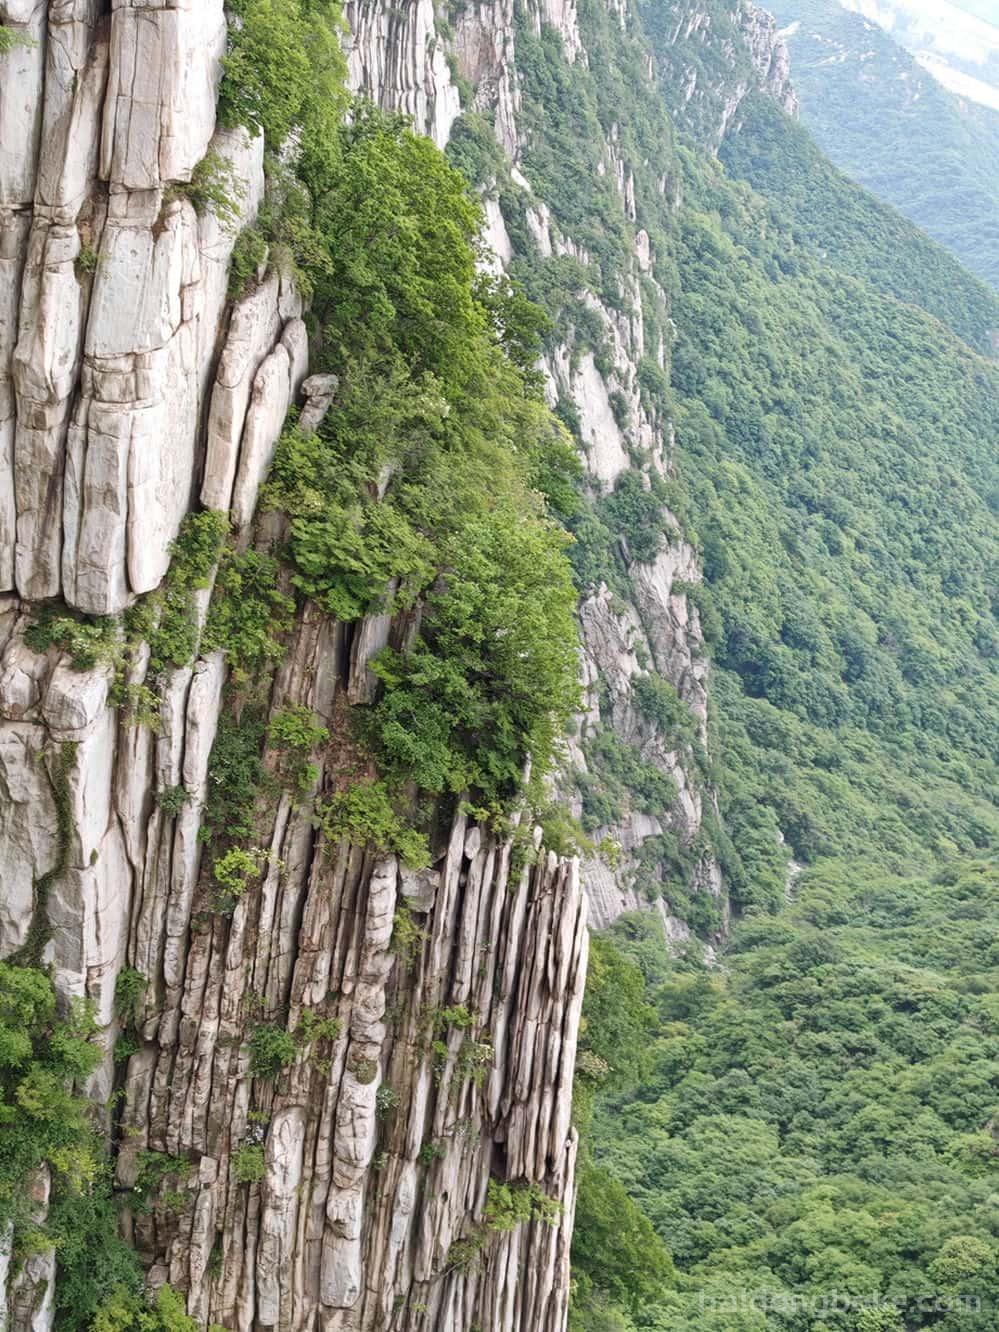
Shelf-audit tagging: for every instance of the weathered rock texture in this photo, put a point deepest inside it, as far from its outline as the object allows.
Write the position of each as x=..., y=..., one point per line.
x=712, y=58
x=130, y=389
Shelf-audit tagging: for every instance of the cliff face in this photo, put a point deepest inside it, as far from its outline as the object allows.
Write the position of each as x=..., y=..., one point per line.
x=428, y=1059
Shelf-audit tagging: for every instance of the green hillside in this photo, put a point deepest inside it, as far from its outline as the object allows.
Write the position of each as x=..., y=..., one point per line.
x=888, y=124
x=811, y=1117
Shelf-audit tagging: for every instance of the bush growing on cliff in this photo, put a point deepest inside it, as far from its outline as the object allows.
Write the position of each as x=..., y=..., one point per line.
x=492, y=679
x=249, y=612
x=424, y=481
x=364, y=813
x=126, y=1310
x=284, y=72
x=41, y=1055
x=272, y=1049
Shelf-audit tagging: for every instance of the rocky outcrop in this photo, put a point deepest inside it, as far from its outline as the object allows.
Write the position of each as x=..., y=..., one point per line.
x=396, y=55
x=770, y=56
x=710, y=60
x=433, y=1016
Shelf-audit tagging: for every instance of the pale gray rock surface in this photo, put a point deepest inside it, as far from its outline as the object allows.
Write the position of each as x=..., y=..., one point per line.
x=126, y=377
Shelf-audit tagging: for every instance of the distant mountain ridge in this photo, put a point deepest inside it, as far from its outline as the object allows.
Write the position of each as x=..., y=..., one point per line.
x=890, y=125
x=958, y=43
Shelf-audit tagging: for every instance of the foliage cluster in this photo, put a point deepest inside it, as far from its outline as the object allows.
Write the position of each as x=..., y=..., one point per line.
x=366, y=814
x=249, y=612
x=424, y=483
x=41, y=1056
x=618, y=779
x=817, y=1117
x=295, y=733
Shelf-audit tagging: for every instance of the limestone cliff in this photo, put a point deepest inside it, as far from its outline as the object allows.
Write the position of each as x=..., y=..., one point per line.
x=131, y=389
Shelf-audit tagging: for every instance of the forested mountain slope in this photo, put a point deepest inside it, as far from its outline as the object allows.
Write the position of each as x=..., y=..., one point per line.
x=889, y=125
x=835, y=443
x=301, y=803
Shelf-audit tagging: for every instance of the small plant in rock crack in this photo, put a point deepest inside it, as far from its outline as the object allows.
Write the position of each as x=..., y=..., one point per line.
x=85, y=263
x=172, y=799
x=295, y=733
x=386, y=1100
x=215, y=188
x=311, y=1027
x=129, y=988
x=407, y=937
x=248, y=1163
x=233, y=873
x=364, y=1070
x=155, y=1170
x=474, y=1060
x=430, y=1152
x=272, y=1049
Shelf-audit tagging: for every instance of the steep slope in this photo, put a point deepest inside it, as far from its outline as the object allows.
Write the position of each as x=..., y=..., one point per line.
x=574, y=169
x=823, y=406
x=890, y=126
x=833, y=441
x=317, y=1013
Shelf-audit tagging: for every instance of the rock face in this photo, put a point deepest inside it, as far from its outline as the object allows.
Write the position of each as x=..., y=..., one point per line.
x=433, y=1016
x=710, y=59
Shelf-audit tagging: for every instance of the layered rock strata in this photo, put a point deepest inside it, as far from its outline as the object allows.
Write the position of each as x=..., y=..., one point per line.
x=131, y=389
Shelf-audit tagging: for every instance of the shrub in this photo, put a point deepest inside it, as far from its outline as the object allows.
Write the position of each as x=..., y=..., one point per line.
x=364, y=814
x=407, y=937
x=636, y=512
x=234, y=872
x=619, y=778
x=492, y=680
x=248, y=254
x=88, y=642
x=92, y=1258
x=215, y=188
x=41, y=1055
x=248, y=612
x=155, y=1169
x=295, y=732
x=139, y=705
x=658, y=701
x=166, y=618
x=511, y=1204
x=386, y=1100
x=312, y=1027
x=126, y=1310
x=172, y=799
x=236, y=774
x=129, y=987
x=248, y=1164
x=271, y=1049
x=284, y=71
